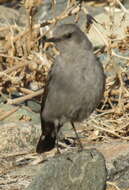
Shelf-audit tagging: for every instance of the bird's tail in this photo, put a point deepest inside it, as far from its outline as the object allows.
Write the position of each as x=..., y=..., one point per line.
x=48, y=137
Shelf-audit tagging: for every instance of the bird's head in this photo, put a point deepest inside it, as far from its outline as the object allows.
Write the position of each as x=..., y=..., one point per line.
x=68, y=35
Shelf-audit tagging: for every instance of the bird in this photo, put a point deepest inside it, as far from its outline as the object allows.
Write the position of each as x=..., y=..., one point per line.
x=75, y=85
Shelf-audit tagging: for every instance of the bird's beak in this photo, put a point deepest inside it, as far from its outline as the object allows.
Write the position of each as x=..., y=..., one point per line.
x=54, y=40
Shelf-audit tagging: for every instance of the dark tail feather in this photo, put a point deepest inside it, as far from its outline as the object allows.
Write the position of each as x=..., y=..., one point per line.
x=45, y=144
x=48, y=137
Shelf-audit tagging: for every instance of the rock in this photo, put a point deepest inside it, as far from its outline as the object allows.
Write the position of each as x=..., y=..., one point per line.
x=118, y=31
x=19, y=130
x=126, y=4
x=14, y=3
x=45, y=12
x=116, y=154
x=34, y=106
x=119, y=173
x=8, y=15
x=23, y=114
x=117, y=161
x=4, y=1
x=18, y=137
x=83, y=170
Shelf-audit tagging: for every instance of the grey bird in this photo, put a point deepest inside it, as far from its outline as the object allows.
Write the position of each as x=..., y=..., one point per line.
x=75, y=84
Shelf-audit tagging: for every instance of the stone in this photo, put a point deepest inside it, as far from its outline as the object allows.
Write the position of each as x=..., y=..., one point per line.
x=84, y=170
x=116, y=154
x=119, y=28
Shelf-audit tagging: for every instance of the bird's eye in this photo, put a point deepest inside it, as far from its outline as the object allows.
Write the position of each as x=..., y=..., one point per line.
x=68, y=35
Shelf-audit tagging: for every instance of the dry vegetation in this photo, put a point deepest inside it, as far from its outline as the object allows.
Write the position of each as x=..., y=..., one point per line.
x=24, y=65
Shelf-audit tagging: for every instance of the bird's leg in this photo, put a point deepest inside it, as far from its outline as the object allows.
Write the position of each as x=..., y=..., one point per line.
x=79, y=141
x=57, y=128
x=57, y=142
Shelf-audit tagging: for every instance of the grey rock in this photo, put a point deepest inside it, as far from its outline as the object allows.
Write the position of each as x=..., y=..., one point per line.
x=83, y=170
x=126, y=3
x=118, y=28
x=18, y=137
x=116, y=154
x=10, y=16
x=14, y=4
x=23, y=114
x=120, y=172
x=7, y=16
x=118, y=163
x=34, y=106
x=45, y=12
